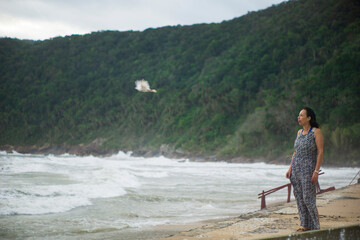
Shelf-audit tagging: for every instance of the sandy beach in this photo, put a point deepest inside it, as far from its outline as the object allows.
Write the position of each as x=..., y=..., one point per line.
x=338, y=208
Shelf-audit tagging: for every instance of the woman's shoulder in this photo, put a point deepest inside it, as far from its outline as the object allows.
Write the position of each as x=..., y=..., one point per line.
x=316, y=131
x=298, y=133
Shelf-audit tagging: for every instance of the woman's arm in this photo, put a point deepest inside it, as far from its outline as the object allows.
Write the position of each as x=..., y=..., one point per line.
x=319, y=140
x=288, y=173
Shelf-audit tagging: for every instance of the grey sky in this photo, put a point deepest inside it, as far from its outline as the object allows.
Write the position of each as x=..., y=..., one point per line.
x=43, y=19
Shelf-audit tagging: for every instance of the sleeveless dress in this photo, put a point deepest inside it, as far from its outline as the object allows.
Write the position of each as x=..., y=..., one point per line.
x=303, y=166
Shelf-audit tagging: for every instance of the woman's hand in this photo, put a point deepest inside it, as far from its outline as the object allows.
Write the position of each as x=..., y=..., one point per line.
x=314, y=178
x=288, y=173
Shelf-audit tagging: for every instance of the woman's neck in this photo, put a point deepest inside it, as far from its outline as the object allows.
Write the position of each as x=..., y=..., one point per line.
x=307, y=127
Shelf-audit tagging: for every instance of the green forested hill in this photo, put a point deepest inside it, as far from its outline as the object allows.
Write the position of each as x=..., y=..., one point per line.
x=233, y=88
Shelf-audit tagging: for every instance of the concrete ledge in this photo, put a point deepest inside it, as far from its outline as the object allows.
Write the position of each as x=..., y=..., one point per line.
x=341, y=233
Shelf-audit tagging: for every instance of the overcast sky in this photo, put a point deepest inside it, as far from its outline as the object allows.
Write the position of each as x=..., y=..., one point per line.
x=43, y=19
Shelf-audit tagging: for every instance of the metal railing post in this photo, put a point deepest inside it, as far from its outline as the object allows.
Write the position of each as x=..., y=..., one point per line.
x=263, y=203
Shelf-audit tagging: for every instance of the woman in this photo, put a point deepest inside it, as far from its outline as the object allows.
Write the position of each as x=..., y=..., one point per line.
x=304, y=168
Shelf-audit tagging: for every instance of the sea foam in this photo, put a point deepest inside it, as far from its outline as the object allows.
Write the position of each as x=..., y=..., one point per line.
x=136, y=191
x=50, y=184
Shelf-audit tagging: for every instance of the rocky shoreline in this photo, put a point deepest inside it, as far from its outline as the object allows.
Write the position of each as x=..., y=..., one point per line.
x=95, y=148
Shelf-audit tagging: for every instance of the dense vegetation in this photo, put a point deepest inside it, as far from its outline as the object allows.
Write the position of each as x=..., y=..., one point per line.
x=233, y=88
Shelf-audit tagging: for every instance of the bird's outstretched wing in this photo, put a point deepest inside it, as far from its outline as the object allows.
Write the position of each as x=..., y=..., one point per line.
x=143, y=86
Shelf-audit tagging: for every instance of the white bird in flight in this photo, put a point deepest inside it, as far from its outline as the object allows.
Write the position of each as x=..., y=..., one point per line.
x=143, y=86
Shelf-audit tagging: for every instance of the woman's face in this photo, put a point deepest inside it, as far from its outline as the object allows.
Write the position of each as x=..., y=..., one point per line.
x=303, y=119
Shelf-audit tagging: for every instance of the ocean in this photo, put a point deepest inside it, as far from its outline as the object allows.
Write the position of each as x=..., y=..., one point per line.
x=126, y=197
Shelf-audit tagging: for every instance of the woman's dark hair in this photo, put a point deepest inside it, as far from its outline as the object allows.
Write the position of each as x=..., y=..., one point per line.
x=311, y=113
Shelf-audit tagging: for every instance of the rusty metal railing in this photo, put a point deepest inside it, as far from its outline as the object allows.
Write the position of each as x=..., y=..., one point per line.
x=263, y=194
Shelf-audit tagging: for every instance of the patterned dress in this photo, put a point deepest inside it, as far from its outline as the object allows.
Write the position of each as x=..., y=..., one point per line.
x=303, y=166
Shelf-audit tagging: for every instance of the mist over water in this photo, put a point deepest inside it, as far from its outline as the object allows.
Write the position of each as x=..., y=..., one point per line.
x=71, y=197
